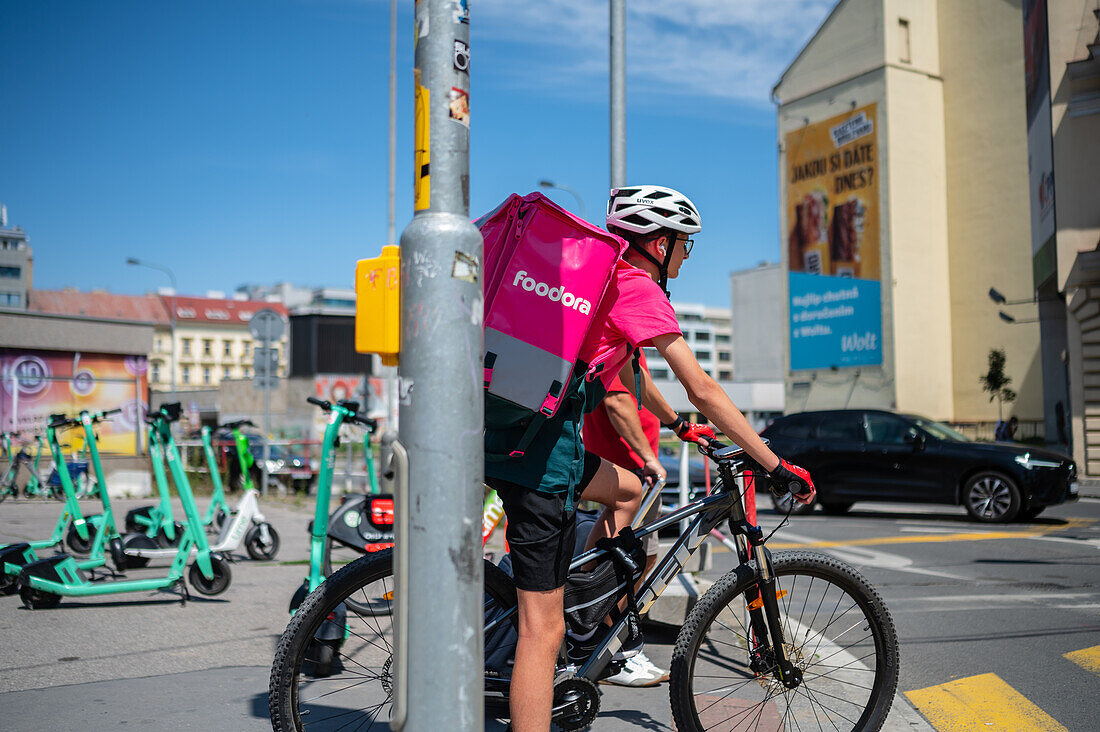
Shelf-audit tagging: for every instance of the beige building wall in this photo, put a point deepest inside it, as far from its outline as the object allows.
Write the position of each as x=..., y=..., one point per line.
x=988, y=217
x=190, y=355
x=918, y=244
x=948, y=81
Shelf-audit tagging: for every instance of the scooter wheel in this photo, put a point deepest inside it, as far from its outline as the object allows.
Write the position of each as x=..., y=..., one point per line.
x=8, y=584
x=137, y=541
x=38, y=599
x=164, y=542
x=78, y=545
x=256, y=547
x=215, y=586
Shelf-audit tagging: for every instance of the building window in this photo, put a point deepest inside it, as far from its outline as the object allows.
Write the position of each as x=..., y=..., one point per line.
x=185, y=346
x=722, y=338
x=227, y=348
x=207, y=347
x=724, y=356
x=11, y=272
x=725, y=376
x=247, y=349
x=206, y=374
x=905, y=54
x=155, y=372
x=658, y=373
x=247, y=372
x=11, y=299
x=702, y=355
x=227, y=372
x=185, y=374
x=702, y=336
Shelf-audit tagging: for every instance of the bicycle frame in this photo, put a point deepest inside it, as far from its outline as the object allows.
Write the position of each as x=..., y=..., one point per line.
x=705, y=514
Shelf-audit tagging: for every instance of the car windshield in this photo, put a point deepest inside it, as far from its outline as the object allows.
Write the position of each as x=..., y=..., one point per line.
x=938, y=430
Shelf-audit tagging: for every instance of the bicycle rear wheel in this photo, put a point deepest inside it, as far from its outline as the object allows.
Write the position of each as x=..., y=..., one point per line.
x=331, y=674
x=837, y=633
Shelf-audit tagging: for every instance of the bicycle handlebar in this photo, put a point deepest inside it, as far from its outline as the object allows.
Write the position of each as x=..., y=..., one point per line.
x=347, y=405
x=237, y=424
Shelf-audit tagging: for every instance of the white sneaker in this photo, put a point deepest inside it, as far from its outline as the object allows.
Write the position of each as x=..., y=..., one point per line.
x=638, y=671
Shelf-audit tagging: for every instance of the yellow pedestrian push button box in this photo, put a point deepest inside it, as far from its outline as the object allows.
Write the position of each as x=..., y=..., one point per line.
x=378, y=305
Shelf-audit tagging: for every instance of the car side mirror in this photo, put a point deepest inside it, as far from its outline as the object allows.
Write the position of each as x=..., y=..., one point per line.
x=916, y=440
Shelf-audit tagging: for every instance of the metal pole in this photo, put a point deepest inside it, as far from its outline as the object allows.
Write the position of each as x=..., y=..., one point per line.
x=685, y=481
x=618, y=93
x=391, y=237
x=439, y=600
x=267, y=415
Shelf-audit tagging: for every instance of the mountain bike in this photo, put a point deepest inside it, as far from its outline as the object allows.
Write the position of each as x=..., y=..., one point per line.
x=791, y=641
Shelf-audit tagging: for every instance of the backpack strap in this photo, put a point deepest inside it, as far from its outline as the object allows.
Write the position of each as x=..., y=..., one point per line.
x=637, y=366
x=620, y=548
x=525, y=441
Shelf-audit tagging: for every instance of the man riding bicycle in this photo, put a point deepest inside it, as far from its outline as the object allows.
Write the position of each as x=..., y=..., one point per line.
x=539, y=487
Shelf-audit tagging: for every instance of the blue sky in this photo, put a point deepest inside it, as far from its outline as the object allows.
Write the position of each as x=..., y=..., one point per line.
x=246, y=141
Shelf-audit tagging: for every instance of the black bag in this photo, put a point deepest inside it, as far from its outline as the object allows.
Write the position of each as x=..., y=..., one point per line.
x=592, y=595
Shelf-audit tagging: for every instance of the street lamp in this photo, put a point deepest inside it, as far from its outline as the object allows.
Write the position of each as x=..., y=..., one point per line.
x=567, y=189
x=172, y=310
x=1009, y=319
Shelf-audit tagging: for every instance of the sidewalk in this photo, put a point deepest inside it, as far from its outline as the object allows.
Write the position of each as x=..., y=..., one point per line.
x=1089, y=487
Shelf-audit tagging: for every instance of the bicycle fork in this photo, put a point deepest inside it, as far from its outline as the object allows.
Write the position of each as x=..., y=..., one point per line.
x=767, y=654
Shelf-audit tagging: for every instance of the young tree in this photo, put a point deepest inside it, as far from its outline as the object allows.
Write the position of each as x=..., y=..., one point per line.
x=996, y=382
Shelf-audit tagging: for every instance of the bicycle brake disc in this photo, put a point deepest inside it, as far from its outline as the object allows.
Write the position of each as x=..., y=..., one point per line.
x=576, y=703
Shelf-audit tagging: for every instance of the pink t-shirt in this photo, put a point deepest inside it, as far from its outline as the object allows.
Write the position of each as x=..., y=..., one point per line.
x=633, y=311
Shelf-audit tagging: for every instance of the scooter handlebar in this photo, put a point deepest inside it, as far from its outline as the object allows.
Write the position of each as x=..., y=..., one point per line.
x=320, y=403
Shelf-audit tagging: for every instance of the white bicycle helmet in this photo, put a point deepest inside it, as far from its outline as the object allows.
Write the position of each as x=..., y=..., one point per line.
x=644, y=209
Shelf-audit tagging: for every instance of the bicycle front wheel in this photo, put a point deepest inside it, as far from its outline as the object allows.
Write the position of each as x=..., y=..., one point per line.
x=838, y=634
x=334, y=670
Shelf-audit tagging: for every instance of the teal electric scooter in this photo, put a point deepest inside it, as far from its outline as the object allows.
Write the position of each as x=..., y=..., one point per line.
x=85, y=533
x=42, y=584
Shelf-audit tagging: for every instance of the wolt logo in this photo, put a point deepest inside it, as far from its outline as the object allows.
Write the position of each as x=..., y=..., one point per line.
x=555, y=294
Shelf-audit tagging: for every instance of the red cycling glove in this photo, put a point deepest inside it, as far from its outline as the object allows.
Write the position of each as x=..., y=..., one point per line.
x=787, y=478
x=690, y=432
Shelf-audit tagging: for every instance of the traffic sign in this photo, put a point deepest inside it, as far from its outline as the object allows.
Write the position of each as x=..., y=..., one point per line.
x=266, y=325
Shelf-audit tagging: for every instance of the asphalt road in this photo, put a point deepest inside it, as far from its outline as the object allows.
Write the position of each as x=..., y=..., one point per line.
x=983, y=613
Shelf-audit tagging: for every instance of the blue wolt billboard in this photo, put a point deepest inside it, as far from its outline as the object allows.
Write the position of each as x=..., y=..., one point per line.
x=835, y=321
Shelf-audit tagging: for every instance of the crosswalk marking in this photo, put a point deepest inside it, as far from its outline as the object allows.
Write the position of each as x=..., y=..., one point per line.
x=1086, y=658
x=983, y=702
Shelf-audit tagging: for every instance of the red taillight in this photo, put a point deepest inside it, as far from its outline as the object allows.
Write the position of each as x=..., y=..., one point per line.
x=381, y=511
x=377, y=547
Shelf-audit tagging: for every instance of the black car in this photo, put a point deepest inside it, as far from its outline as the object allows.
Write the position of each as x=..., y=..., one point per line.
x=870, y=455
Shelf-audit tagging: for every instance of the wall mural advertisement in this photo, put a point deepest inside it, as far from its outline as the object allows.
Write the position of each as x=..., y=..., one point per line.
x=834, y=252
x=835, y=321
x=36, y=384
x=1040, y=153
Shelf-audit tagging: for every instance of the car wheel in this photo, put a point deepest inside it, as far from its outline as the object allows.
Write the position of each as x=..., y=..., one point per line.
x=786, y=503
x=835, y=508
x=991, y=498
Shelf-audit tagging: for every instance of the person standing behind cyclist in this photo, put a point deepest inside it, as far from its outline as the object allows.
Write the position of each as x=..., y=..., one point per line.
x=538, y=488
x=618, y=431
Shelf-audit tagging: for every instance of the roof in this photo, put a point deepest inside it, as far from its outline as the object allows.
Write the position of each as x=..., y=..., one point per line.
x=805, y=47
x=148, y=308
x=216, y=311
x=105, y=305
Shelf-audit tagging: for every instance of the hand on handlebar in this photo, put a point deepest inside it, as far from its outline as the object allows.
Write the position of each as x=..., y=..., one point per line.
x=787, y=478
x=690, y=432
x=653, y=471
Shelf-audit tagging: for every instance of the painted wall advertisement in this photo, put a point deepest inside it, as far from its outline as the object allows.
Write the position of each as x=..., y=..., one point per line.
x=36, y=384
x=1040, y=153
x=833, y=247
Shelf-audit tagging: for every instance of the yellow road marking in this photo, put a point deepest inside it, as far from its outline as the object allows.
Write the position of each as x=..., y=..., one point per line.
x=982, y=702
x=933, y=538
x=1086, y=658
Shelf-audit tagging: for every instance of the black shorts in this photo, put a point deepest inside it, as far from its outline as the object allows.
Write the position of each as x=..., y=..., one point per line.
x=541, y=534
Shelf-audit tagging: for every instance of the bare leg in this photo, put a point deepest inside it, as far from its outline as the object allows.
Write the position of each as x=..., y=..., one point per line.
x=620, y=491
x=541, y=628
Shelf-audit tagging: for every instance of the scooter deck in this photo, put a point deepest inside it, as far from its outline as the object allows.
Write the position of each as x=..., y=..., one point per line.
x=61, y=575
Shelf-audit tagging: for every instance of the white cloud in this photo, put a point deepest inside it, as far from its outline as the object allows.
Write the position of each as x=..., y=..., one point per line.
x=724, y=49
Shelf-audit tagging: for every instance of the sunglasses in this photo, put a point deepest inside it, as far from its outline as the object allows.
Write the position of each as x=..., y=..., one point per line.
x=688, y=244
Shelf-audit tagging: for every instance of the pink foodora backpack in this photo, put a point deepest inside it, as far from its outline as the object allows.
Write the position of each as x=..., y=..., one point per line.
x=545, y=274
